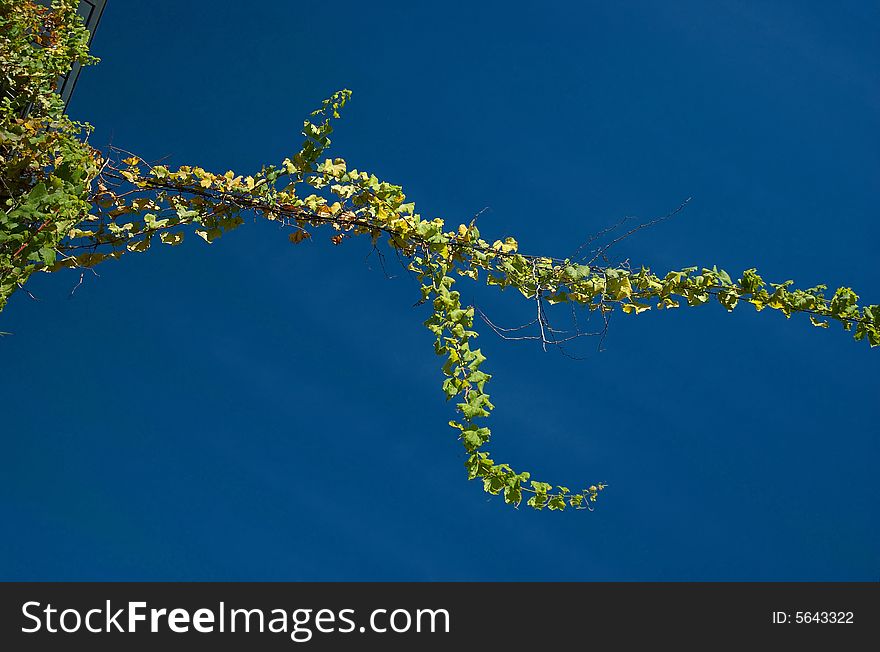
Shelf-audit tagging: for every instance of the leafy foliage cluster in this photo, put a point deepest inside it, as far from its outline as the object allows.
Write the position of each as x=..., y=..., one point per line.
x=46, y=166
x=68, y=207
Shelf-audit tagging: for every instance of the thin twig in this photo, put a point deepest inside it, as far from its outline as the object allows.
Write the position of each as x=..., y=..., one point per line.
x=602, y=250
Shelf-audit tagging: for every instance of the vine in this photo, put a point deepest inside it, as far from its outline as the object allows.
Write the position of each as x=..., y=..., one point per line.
x=69, y=206
x=46, y=164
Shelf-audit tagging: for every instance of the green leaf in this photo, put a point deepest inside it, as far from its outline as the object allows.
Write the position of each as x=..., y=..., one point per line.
x=47, y=255
x=172, y=238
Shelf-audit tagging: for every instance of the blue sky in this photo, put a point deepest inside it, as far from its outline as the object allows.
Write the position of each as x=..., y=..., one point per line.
x=251, y=410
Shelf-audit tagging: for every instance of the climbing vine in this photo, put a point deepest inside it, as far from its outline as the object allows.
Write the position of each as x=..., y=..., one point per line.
x=46, y=165
x=67, y=205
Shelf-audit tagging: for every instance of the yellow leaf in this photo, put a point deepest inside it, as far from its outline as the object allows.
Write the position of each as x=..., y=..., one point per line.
x=634, y=307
